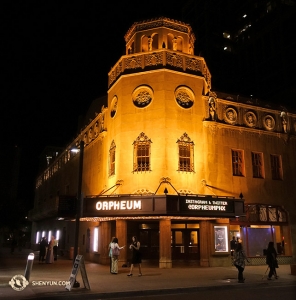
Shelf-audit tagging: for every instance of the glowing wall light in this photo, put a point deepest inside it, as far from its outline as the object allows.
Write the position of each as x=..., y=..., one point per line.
x=49, y=235
x=37, y=237
x=96, y=240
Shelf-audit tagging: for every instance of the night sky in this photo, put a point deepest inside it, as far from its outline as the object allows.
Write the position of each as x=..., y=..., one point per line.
x=55, y=60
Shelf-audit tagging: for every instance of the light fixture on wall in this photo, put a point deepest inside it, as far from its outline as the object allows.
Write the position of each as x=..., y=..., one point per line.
x=165, y=190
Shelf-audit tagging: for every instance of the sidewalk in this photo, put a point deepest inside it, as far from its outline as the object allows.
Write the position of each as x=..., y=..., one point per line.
x=103, y=285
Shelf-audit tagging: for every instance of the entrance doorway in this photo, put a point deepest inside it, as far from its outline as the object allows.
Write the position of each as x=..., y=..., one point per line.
x=185, y=244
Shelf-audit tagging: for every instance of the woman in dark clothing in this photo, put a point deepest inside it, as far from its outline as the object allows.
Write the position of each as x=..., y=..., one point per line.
x=239, y=261
x=43, y=245
x=136, y=258
x=271, y=260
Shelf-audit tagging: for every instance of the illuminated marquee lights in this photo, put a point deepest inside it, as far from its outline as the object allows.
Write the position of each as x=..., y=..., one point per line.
x=119, y=205
x=206, y=205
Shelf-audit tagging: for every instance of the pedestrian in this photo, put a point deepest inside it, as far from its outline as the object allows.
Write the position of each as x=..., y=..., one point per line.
x=136, y=256
x=233, y=244
x=42, y=249
x=55, y=249
x=271, y=260
x=110, y=252
x=49, y=254
x=115, y=254
x=239, y=261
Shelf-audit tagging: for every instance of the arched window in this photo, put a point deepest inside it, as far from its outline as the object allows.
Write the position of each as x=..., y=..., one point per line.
x=185, y=146
x=112, y=159
x=142, y=153
x=145, y=43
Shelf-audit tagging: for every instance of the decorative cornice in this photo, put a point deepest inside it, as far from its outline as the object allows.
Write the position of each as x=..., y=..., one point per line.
x=159, y=22
x=140, y=62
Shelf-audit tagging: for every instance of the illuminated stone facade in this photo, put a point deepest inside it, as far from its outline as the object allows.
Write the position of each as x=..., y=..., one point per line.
x=164, y=128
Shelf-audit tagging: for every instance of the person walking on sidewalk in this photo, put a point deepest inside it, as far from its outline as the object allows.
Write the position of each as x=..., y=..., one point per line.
x=42, y=249
x=110, y=252
x=136, y=256
x=239, y=261
x=55, y=249
x=115, y=254
x=49, y=254
x=271, y=260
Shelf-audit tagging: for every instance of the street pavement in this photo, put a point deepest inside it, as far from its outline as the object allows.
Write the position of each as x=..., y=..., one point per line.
x=103, y=284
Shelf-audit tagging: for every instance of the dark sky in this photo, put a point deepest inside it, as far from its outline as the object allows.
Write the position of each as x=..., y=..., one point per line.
x=55, y=60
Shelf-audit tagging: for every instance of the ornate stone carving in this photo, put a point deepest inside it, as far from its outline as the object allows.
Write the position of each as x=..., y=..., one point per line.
x=192, y=64
x=250, y=119
x=174, y=60
x=159, y=22
x=230, y=115
x=153, y=59
x=212, y=106
x=142, y=96
x=133, y=62
x=268, y=122
x=113, y=107
x=184, y=97
x=284, y=121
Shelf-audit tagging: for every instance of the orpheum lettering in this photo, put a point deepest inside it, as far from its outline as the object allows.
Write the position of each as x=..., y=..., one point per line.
x=206, y=205
x=119, y=205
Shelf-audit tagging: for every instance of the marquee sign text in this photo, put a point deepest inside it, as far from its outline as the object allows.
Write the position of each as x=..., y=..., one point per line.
x=206, y=205
x=119, y=205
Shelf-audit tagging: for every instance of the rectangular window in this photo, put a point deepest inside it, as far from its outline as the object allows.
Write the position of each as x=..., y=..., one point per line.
x=257, y=163
x=276, y=167
x=142, y=157
x=112, y=161
x=185, y=158
x=237, y=163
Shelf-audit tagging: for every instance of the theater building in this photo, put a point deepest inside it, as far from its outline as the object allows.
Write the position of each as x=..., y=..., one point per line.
x=182, y=167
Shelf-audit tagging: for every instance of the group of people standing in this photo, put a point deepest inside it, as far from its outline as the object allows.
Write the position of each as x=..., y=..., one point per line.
x=114, y=250
x=48, y=251
x=239, y=258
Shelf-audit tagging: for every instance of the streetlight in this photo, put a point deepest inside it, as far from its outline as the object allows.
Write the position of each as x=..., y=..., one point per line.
x=79, y=203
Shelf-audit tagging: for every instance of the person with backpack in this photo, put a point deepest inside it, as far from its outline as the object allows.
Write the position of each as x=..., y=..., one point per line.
x=239, y=261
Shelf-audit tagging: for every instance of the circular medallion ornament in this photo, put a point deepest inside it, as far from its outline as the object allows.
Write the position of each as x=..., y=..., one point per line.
x=142, y=96
x=184, y=97
x=268, y=122
x=230, y=116
x=114, y=103
x=250, y=119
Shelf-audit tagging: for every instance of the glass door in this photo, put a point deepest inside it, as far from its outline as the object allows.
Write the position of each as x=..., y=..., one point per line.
x=185, y=244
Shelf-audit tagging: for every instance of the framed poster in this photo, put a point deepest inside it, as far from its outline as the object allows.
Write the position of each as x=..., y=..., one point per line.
x=221, y=239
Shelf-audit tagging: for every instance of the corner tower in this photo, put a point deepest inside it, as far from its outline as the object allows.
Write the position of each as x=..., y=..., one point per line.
x=156, y=106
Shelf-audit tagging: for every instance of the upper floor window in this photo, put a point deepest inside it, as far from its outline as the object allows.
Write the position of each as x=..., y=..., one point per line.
x=276, y=167
x=257, y=164
x=185, y=154
x=142, y=153
x=112, y=159
x=238, y=163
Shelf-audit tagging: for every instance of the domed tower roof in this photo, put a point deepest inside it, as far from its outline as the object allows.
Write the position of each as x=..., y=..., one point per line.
x=159, y=33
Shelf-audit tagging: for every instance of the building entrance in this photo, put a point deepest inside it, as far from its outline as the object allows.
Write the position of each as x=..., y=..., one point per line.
x=185, y=244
